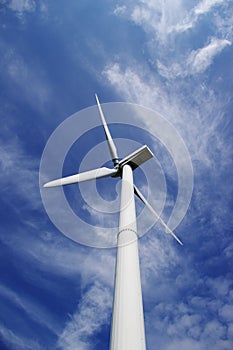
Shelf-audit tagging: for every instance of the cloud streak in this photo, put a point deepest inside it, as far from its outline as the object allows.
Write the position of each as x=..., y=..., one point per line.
x=34, y=312
x=93, y=312
x=165, y=19
x=206, y=5
x=196, y=62
x=17, y=342
x=21, y=6
x=18, y=173
x=172, y=23
x=201, y=59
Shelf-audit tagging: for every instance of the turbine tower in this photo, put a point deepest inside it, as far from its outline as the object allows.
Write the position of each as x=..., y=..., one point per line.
x=127, y=330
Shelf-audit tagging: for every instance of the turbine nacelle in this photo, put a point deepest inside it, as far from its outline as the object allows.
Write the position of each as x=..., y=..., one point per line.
x=134, y=159
x=137, y=158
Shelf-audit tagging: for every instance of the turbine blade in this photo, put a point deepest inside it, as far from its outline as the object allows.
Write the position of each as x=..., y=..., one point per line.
x=111, y=145
x=85, y=176
x=143, y=199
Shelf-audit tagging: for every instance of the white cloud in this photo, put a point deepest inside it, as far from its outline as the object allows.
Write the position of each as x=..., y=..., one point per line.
x=196, y=115
x=226, y=313
x=35, y=312
x=169, y=47
x=26, y=78
x=160, y=18
x=164, y=19
x=95, y=272
x=137, y=87
x=191, y=18
x=214, y=331
x=93, y=312
x=195, y=62
x=205, y=6
x=119, y=10
x=29, y=80
x=14, y=341
x=201, y=59
x=22, y=6
x=185, y=344
x=194, y=321
x=130, y=84
x=220, y=286
x=173, y=70
x=161, y=247
x=230, y=331
x=18, y=173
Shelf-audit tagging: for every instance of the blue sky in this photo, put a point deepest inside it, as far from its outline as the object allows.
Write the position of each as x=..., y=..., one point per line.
x=174, y=57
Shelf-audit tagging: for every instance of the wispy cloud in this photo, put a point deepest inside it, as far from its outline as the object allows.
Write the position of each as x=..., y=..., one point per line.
x=159, y=18
x=158, y=255
x=14, y=341
x=35, y=312
x=198, y=125
x=28, y=80
x=120, y=10
x=200, y=321
x=201, y=59
x=196, y=110
x=167, y=18
x=21, y=6
x=195, y=62
x=148, y=90
x=93, y=312
x=131, y=85
x=192, y=17
x=18, y=173
x=205, y=6
x=169, y=24
x=51, y=255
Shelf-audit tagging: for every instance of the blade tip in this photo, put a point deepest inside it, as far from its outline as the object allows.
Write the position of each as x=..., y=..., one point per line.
x=96, y=97
x=49, y=184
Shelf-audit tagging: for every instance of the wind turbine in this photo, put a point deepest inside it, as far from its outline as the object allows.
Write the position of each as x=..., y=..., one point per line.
x=127, y=329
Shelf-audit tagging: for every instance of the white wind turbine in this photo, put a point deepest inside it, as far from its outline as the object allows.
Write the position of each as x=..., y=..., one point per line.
x=127, y=330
